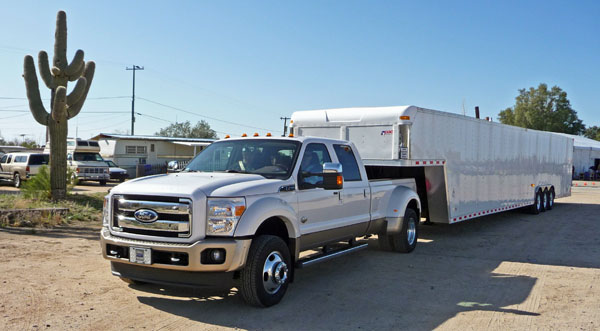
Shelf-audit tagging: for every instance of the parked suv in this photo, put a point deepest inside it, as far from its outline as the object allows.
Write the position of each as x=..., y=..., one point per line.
x=21, y=166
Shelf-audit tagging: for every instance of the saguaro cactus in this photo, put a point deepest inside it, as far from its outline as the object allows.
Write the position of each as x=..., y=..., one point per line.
x=63, y=106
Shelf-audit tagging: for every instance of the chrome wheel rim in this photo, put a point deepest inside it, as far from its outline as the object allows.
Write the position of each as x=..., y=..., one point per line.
x=539, y=202
x=411, y=231
x=275, y=272
x=551, y=199
x=17, y=180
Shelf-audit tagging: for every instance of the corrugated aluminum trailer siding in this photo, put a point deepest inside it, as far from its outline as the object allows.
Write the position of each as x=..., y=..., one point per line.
x=490, y=165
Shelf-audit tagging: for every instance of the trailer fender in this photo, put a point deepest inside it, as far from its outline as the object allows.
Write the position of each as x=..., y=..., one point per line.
x=264, y=209
x=401, y=197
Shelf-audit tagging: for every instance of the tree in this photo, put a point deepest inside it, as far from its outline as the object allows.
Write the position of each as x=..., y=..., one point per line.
x=543, y=109
x=593, y=132
x=63, y=106
x=185, y=130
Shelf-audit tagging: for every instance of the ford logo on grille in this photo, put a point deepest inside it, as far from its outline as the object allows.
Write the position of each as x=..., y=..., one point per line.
x=145, y=215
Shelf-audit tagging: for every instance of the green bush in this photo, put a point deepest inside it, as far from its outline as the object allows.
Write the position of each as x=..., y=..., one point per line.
x=38, y=186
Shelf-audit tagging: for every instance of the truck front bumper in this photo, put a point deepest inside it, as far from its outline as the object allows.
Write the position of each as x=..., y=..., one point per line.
x=176, y=256
x=92, y=177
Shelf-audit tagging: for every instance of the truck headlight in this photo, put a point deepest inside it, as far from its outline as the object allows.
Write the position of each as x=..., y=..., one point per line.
x=106, y=211
x=223, y=214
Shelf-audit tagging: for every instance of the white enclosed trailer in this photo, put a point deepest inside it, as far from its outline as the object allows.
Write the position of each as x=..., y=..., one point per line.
x=464, y=167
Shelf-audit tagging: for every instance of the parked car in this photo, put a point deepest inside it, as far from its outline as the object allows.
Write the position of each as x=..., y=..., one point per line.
x=21, y=166
x=115, y=172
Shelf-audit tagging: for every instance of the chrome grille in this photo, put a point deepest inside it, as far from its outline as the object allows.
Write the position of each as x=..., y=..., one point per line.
x=174, y=215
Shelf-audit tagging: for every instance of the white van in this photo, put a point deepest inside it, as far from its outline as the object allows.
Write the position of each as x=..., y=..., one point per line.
x=83, y=157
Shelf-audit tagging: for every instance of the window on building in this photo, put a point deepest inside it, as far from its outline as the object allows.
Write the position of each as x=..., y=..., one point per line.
x=141, y=149
x=142, y=160
x=130, y=149
x=151, y=147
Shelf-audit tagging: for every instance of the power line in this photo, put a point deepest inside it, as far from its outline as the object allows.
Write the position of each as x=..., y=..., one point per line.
x=94, y=98
x=212, y=118
x=83, y=113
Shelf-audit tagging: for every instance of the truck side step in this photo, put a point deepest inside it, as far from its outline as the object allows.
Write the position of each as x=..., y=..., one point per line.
x=316, y=258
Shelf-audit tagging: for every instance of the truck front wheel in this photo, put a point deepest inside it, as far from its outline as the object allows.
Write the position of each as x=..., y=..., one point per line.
x=265, y=278
x=406, y=240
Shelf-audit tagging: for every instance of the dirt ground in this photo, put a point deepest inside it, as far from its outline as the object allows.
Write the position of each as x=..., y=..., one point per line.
x=511, y=271
x=82, y=188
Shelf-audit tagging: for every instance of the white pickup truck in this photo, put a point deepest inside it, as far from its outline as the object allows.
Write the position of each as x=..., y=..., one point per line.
x=244, y=209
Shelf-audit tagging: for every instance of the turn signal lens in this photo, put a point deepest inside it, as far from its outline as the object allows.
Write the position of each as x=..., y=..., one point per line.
x=340, y=180
x=405, y=118
x=255, y=134
x=244, y=135
x=227, y=136
x=239, y=210
x=291, y=135
x=268, y=134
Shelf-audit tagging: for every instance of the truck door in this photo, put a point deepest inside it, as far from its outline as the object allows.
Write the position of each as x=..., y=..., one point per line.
x=4, y=166
x=318, y=209
x=355, y=196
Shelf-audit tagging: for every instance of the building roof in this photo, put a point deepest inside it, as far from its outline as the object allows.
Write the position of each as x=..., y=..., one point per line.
x=582, y=142
x=153, y=138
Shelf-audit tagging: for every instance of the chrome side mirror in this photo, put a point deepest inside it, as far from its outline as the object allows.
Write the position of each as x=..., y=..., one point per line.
x=333, y=178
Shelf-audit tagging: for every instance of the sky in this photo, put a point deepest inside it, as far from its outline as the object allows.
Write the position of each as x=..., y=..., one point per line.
x=242, y=65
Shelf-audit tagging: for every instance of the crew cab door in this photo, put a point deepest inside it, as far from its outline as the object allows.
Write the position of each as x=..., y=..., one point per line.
x=4, y=168
x=356, y=195
x=319, y=210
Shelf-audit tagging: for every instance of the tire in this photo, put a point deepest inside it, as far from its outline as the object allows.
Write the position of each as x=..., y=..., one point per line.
x=543, y=197
x=102, y=183
x=73, y=180
x=536, y=208
x=268, y=258
x=17, y=180
x=545, y=194
x=406, y=240
x=550, y=199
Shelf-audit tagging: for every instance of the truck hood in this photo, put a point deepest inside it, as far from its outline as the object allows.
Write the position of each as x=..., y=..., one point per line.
x=190, y=184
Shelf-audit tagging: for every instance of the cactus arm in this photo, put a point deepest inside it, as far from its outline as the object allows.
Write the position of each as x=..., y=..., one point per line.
x=60, y=103
x=77, y=92
x=33, y=92
x=77, y=65
x=74, y=109
x=60, y=43
x=43, y=64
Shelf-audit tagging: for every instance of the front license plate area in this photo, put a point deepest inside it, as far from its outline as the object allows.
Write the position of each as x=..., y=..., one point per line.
x=140, y=255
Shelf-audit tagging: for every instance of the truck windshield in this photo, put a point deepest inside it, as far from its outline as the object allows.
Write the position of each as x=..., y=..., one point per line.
x=87, y=157
x=268, y=158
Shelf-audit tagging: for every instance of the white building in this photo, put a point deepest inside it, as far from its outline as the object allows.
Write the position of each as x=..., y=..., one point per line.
x=586, y=154
x=128, y=151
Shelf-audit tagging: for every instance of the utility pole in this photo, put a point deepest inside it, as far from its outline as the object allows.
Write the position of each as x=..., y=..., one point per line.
x=134, y=68
x=284, y=125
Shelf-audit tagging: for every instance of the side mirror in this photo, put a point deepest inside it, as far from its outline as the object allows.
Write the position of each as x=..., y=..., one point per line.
x=332, y=176
x=172, y=166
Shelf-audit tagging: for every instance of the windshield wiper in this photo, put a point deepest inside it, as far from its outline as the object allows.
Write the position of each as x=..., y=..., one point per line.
x=236, y=171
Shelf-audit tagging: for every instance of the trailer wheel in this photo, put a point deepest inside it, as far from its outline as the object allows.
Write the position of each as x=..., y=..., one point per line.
x=406, y=240
x=550, y=199
x=536, y=208
x=543, y=197
x=265, y=278
x=545, y=194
